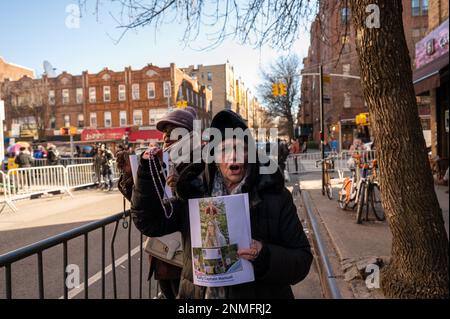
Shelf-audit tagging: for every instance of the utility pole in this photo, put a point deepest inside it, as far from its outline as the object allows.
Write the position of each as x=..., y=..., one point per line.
x=322, y=126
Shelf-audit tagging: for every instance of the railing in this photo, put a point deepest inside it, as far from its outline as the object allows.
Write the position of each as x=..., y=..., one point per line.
x=22, y=183
x=26, y=182
x=5, y=189
x=304, y=163
x=37, y=249
x=80, y=175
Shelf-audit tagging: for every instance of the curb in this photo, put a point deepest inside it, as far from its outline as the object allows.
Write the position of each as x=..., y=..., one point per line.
x=326, y=274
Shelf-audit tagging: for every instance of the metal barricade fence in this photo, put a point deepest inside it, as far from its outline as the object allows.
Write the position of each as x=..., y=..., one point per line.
x=26, y=182
x=86, y=233
x=80, y=175
x=5, y=189
x=306, y=162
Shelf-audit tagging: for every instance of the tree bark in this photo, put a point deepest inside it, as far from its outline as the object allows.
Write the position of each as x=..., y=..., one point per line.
x=419, y=263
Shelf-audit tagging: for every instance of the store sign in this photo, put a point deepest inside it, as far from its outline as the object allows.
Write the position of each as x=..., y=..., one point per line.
x=103, y=134
x=432, y=46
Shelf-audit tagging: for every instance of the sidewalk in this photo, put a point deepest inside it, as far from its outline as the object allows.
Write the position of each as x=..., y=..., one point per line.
x=356, y=244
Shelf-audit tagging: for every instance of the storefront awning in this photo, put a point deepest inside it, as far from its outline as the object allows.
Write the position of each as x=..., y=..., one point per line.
x=428, y=76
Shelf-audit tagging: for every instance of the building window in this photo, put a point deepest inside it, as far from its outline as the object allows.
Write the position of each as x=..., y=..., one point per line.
x=155, y=115
x=106, y=94
x=209, y=76
x=347, y=100
x=80, y=120
x=180, y=93
x=346, y=69
x=424, y=7
x=122, y=93
x=92, y=95
x=344, y=15
x=93, y=119
x=79, y=95
x=53, y=122
x=151, y=94
x=137, y=117
x=108, y=119
x=419, y=8
x=123, y=118
x=167, y=88
x=67, y=120
x=65, y=96
x=51, y=97
x=135, y=91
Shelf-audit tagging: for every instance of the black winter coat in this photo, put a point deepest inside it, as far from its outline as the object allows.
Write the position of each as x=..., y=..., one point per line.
x=285, y=258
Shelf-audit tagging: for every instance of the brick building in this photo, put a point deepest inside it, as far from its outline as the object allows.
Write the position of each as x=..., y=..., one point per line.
x=333, y=45
x=105, y=105
x=229, y=91
x=12, y=71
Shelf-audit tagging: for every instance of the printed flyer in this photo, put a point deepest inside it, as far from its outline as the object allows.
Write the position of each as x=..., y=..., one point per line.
x=219, y=227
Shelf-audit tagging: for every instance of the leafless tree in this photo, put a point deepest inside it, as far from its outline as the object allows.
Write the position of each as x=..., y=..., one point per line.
x=286, y=70
x=27, y=100
x=419, y=263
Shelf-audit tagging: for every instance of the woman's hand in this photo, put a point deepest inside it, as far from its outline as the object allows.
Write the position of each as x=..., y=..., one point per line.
x=151, y=152
x=252, y=252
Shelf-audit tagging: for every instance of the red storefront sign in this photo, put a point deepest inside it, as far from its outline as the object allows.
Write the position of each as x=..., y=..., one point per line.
x=104, y=134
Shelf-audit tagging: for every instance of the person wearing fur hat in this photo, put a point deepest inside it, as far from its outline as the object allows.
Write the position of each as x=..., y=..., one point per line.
x=167, y=275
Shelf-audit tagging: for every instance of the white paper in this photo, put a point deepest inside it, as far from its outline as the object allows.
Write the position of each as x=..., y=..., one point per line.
x=134, y=166
x=219, y=227
x=166, y=161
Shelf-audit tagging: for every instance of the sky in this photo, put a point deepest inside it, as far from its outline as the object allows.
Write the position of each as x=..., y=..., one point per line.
x=33, y=31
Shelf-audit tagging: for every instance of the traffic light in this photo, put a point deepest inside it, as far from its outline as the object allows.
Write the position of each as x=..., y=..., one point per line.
x=68, y=130
x=362, y=119
x=275, y=89
x=182, y=104
x=283, y=89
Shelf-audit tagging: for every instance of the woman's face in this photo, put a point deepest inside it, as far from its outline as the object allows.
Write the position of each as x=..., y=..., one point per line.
x=232, y=161
x=166, y=135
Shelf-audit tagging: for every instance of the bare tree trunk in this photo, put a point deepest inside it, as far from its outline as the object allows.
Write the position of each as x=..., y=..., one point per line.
x=419, y=264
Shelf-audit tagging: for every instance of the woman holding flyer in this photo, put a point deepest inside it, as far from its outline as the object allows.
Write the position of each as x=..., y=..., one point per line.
x=279, y=251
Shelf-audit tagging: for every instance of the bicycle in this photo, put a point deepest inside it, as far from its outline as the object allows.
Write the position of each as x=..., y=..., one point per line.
x=362, y=189
x=328, y=168
x=370, y=195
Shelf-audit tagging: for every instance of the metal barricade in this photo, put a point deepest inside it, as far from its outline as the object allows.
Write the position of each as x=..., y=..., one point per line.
x=80, y=175
x=5, y=189
x=86, y=233
x=26, y=182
